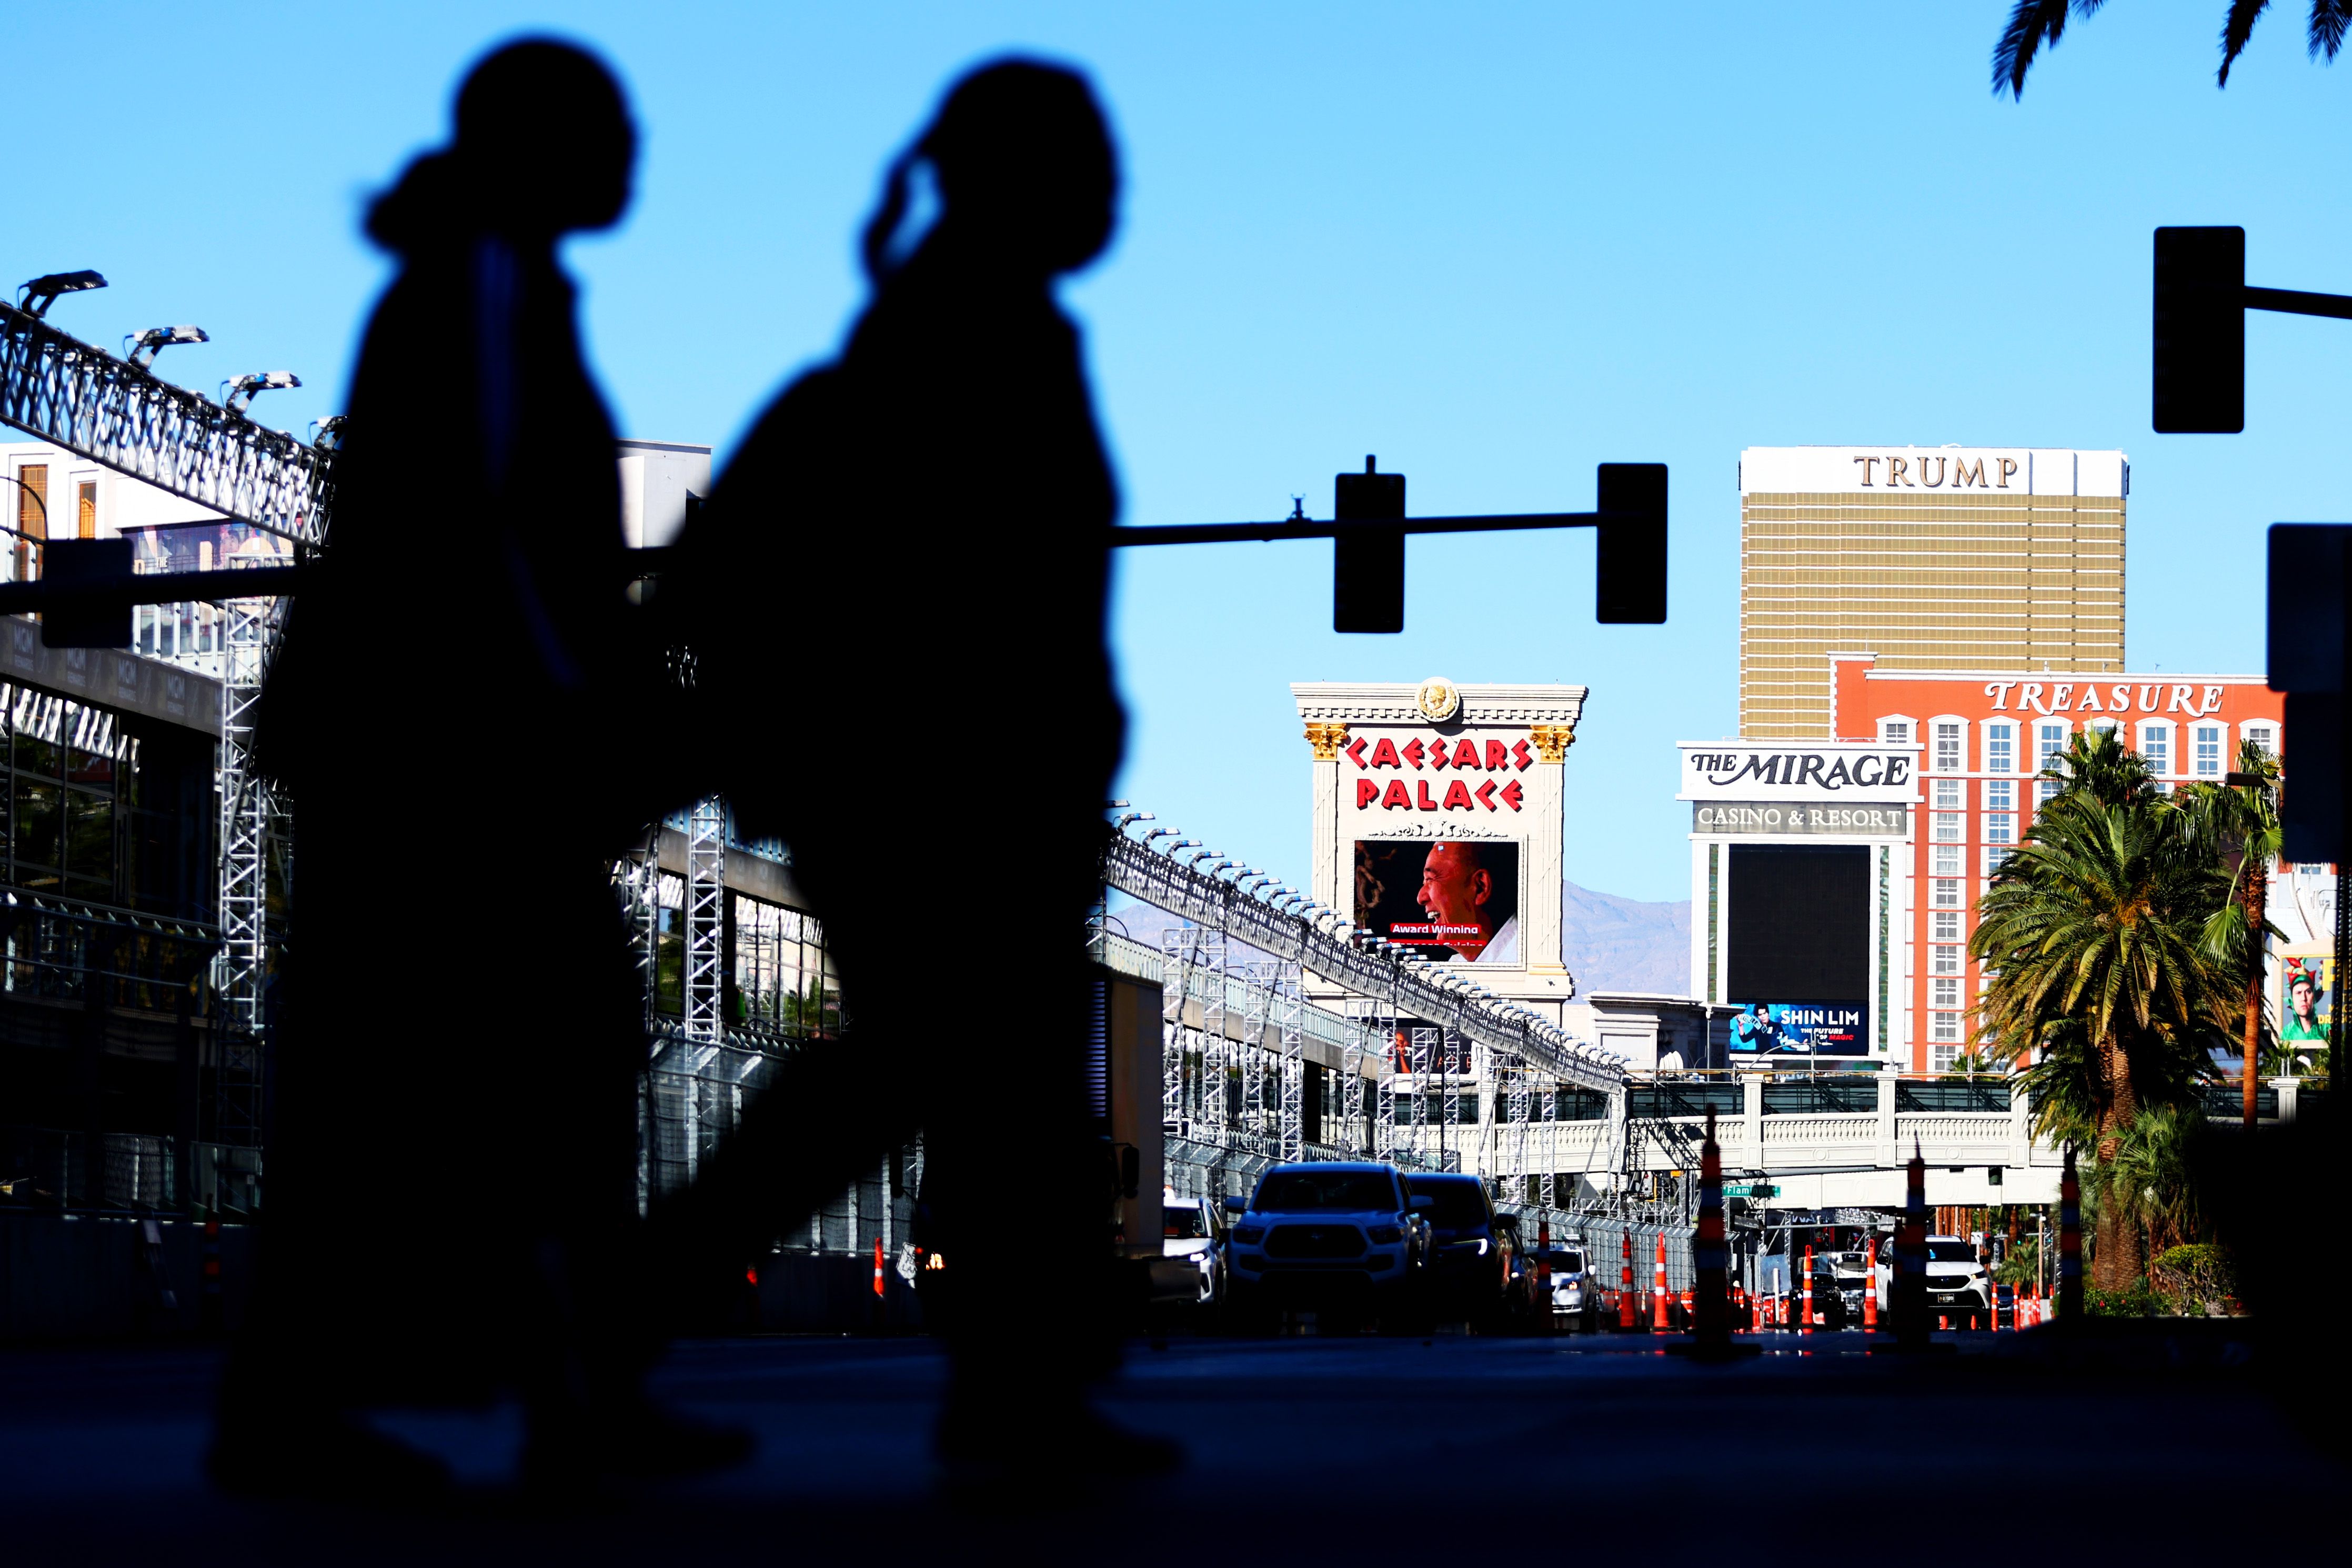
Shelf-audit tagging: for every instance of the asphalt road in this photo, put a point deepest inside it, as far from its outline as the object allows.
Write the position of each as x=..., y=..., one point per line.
x=1324, y=1451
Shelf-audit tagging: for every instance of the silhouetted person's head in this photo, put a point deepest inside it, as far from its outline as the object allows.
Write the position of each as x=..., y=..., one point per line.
x=1026, y=175
x=543, y=146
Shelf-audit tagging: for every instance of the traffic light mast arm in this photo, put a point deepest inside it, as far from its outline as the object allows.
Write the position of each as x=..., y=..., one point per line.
x=45, y=593
x=2297, y=302
x=1301, y=528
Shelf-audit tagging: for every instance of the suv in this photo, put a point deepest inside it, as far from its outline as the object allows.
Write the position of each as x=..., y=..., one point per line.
x=1191, y=1262
x=1338, y=1235
x=1572, y=1300
x=1469, y=1272
x=1957, y=1285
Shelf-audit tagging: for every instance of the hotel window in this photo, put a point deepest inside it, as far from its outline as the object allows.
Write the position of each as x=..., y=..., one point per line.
x=2045, y=791
x=1941, y=1059
x=32, y=514
x=2001, y=794
x=85, y=509
x=1944, y=1026
x=1946, y=925
x=2155, y=745
x=2049, y=740
x=2209, y=751
x=1994, y=855
x=1946, y=959
x=1898, y=732
x=1947, y=827
x=1947, y=860
x=1947, y=893
x=1944, y=992
x=1951, y=795
x=2000, y=748
x=2261, y=736
x=2000, y=828
x=1947, y=748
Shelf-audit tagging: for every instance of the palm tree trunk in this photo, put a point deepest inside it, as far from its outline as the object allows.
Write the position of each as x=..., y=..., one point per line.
x=2118, y=1260
x=2253, y=897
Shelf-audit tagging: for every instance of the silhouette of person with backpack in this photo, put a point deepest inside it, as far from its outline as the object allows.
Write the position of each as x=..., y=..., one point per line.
x=453, y=1137
x=918, y=532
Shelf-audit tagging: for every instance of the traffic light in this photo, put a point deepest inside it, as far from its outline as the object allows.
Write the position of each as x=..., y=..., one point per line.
x=1368, y=559
x=2200, y=331
x=1630, y=554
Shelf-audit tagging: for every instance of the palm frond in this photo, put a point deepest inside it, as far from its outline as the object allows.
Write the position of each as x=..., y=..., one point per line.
x=2329, y=18
x=2238, y=27
x=2032, y=23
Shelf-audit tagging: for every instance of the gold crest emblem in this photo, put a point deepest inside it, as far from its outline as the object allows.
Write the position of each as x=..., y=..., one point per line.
x=1437, y=699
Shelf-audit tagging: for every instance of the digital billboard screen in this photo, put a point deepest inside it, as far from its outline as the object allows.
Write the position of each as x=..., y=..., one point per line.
x=1797, y=1028
x=1452, y=898
x=1796, y=948
x=2307, y=998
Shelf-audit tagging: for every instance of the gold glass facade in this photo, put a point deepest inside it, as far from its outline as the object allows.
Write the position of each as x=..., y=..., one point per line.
x=1925, y=581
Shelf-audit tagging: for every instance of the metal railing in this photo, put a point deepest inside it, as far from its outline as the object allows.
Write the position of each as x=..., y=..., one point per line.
x=54, y=1170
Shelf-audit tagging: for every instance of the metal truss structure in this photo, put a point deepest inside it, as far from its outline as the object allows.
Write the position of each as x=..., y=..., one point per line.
x=706, y=900
x=118, y=413
x=241, y=970
x=1258, y=998
x=86, y=400
x=1328, y=947
x=1289, y=991
x=1191, y=1058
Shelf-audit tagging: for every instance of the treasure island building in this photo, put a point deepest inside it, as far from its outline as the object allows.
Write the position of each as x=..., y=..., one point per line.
x=1994, y=558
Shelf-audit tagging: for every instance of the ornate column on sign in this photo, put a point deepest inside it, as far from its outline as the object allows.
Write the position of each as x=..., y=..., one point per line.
x=1544, y=803
x=1327, y=740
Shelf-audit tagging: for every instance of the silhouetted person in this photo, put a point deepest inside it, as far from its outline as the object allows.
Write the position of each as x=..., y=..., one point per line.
x=912, y=549
x=452, y=1161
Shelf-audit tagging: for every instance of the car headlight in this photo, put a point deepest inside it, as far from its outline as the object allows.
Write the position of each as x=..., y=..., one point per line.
x=1249, y=1235
x=1385, y=1234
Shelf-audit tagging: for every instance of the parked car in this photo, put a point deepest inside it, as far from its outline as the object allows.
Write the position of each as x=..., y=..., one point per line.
x=1338, y=1237
x=1467, y=1269
x=1957, y=1285
x=1574, y=1300
x=1854, y=1274
x=1191, y=1265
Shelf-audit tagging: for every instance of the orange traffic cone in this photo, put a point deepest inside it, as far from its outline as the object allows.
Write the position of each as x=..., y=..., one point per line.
x=1658, y=1289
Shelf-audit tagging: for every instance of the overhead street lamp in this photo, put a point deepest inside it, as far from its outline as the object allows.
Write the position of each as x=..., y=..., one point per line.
x=140, y=348
x=35, y=296
x=238, y=396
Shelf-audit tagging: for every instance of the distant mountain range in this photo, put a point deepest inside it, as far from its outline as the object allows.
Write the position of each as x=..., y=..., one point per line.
x=1608, y=943
x=1624, y=945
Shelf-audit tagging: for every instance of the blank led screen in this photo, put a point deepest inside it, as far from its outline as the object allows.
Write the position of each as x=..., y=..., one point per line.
x=1799, y=922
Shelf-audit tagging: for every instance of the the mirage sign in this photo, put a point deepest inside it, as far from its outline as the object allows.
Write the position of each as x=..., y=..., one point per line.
x=1800, y=770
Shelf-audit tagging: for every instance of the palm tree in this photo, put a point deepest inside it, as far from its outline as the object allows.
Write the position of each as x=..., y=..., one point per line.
x=2240, y=819
x=2034, y=23
x=2149, y=1183
x=2092, y=933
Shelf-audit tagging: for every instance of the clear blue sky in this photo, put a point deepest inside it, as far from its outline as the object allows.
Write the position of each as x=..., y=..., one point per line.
x=1493, y=243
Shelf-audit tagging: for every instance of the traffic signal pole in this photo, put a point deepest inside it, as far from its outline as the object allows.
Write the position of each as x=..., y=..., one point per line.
x=86, y=589
x=2201, y=298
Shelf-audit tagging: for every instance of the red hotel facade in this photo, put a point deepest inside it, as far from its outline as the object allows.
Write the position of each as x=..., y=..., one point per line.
x=1981, y=738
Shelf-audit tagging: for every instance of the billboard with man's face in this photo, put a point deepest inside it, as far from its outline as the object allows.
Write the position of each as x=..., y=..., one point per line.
x=1798, y=1029
x=2306, y=1002
x=1455, y=898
